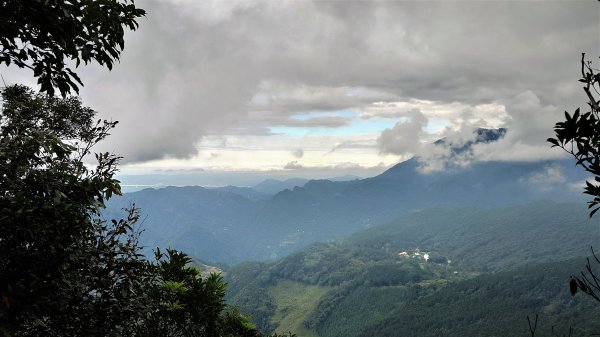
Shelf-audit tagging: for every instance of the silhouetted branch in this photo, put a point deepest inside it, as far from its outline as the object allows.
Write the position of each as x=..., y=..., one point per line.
x=532, y=329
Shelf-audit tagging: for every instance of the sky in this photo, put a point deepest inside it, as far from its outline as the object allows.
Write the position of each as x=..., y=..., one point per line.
x=320, y=89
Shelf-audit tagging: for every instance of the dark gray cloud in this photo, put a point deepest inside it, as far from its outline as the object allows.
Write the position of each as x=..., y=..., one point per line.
x=207, y=67
x=278, y=98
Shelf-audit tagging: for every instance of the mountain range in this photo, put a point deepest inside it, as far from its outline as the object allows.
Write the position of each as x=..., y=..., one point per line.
x=233, y=224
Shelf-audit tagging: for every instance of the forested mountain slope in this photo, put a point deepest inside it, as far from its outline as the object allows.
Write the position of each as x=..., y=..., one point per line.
x=490, y=239
x=450, y=272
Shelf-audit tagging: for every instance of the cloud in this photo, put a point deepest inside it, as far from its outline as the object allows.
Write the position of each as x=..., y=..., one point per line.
x=492, y=114
x=327, y=122
x=278, y=99
x=293, y=165
x=298, y=153
x=531, y=123
x=353, y=145
x=341, y=168
x=201, y=68
x=550, y=175
x=405, y=136
x=345, y=166
x=182, y=170
x=528, y=120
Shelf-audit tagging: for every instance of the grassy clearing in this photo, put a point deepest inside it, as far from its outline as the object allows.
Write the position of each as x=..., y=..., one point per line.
x=294, y=303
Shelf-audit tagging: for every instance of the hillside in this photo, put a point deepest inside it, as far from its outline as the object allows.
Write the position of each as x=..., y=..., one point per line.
x=429, y=304
x=379, y=281
x=490, y=239
x=487, y=305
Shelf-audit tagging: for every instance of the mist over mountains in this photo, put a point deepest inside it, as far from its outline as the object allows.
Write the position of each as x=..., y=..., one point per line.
x=233, y=224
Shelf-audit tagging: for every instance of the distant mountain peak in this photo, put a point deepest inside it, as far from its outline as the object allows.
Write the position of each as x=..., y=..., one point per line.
x=482, y=135
x=273, y=186
x=489, y=135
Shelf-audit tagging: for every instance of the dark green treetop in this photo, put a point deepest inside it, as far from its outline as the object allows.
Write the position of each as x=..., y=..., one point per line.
x=579, y=133
x=63, y=270
x=181, y=302
x=44, y=35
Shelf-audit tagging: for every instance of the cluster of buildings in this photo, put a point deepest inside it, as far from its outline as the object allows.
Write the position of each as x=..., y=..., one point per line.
x=417, y=254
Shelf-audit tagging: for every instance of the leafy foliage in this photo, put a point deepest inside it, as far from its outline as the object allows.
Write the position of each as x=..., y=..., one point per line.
x=579, y=133
x=57, y=257
x=44, y=35
x=63, y=270
x=182, y=303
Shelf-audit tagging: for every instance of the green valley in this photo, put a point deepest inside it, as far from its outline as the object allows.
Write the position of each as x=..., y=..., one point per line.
x=294, y=302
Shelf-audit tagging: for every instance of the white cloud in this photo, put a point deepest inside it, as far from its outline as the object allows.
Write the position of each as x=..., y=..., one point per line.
x=550, y=176
x=528, y=120
x=530, y=124
x=405, y=137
